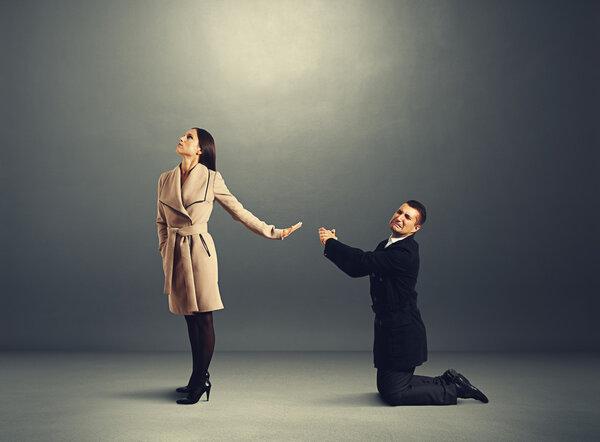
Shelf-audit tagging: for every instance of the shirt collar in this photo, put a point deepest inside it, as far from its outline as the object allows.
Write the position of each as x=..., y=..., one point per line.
x=392, y=240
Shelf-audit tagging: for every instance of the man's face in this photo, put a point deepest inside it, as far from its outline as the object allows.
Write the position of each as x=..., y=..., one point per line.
x=403, y=221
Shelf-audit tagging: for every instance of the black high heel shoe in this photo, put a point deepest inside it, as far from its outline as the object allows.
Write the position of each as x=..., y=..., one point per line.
x=186, y=389
x=195, y=395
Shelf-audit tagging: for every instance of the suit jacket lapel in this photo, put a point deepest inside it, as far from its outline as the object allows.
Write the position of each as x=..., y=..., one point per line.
x=170, y=194
x=404, y=242
x=381, y=245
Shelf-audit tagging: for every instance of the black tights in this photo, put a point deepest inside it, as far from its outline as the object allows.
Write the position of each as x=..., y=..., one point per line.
x=202, y=341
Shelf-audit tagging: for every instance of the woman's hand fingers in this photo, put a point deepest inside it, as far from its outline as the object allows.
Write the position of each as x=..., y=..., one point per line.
x=289, y=230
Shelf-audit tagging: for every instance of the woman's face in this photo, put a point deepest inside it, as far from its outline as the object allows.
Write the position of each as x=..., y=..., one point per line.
x=188, y=144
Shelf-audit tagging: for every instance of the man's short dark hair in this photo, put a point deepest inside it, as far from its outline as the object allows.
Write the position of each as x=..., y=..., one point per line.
x=419, y=208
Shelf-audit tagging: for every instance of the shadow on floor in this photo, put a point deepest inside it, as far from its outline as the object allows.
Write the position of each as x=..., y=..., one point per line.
x=152, y=395
x=353, y=400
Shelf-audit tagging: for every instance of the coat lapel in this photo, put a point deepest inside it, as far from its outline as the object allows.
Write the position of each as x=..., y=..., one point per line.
x=195, y=188
x=170, y=194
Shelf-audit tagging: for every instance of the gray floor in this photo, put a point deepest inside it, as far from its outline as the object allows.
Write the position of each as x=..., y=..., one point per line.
x=291, y=396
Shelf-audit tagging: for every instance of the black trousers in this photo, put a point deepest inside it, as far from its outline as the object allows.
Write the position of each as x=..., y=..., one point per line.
x=405, y=388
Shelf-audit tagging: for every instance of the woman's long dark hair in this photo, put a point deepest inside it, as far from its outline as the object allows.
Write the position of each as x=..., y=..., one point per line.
x=207, y=144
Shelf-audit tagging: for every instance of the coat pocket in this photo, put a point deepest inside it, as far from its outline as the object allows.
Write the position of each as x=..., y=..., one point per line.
x=204, y=244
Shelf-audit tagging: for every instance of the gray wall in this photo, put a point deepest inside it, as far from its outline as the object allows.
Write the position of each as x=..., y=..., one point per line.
x=329, y=112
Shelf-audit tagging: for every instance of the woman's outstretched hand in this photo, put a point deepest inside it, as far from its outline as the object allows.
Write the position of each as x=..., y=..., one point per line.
x=289, y=230
x=325, y=234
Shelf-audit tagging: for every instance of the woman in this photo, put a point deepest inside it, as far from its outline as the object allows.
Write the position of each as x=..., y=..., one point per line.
x=185, y=201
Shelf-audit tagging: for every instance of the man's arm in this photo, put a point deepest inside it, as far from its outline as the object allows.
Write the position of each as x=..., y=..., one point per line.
x=356, y=262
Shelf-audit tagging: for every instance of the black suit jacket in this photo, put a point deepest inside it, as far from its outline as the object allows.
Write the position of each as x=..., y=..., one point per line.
x=400, y=340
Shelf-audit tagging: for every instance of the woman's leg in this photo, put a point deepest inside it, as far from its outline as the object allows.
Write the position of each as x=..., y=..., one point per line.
x=206, y=334
x=202, y=341
x=195, y=344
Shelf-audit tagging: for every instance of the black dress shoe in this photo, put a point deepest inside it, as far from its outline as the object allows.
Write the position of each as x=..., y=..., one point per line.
x=464, y=389
x=186, y=389
x=448, y=376
x=196, y=393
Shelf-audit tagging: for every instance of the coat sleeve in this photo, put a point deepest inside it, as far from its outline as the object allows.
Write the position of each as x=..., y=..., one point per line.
x=356, y=262
x=240, y=214
x=161, y=222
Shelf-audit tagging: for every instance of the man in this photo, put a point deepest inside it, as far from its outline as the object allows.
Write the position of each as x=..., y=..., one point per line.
x=400, y=341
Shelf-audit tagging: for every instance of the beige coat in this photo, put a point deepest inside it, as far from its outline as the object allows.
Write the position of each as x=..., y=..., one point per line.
x=187, y=249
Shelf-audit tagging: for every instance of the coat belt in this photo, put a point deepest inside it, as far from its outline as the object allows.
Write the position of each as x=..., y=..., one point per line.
x=168, y=262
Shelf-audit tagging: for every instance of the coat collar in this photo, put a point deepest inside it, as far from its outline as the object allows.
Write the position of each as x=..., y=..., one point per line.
x=194, y=189
x=170, y=194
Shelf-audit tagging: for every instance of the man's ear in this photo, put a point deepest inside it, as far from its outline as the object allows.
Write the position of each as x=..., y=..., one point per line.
x=417, y=227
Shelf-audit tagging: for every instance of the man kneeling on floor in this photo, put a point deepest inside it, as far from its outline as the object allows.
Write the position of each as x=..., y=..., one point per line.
x=400, y=340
